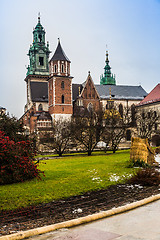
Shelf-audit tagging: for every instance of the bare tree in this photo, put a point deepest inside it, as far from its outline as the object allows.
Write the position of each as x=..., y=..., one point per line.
x=146, y=123
x=87, y=129
x=115, y=126
x=59, y=136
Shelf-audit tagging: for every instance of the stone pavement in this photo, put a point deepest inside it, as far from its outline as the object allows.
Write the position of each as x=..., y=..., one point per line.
x=138, y=224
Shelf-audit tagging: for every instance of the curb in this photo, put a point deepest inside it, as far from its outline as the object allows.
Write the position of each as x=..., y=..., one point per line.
x=78, y=221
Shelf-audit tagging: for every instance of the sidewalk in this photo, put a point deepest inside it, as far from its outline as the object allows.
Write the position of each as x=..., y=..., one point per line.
x=138, y=224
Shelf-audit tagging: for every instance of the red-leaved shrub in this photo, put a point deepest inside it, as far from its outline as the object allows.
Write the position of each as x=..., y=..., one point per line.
x=16, y=161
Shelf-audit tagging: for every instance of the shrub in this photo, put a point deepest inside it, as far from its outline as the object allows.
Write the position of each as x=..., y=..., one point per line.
x=146, y=177
x=138, y=163
x=16, y=161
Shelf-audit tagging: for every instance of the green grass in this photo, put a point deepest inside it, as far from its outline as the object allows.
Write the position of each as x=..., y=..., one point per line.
x=66, y=177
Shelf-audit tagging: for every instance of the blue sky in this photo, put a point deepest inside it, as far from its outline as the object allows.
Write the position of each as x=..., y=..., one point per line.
x=130, y=28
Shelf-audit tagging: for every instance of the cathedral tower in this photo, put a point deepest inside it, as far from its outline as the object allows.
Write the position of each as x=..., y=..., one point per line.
x=107, y=78
x=60, y=85
x=38, y=70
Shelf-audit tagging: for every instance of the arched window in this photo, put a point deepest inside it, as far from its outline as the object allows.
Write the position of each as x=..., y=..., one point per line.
x=62, y=98
x=121, y=110
x=90, y=107
x=55, y=68
x=62, y=68
x=40, y=38
x=40, y=107
x=62, y=84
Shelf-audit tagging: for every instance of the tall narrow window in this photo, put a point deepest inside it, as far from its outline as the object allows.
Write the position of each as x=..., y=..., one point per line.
x=55, y=68
x=62, y=68
x=62, y=98
x=40, y=38
x=62, y=84
x=41, y=62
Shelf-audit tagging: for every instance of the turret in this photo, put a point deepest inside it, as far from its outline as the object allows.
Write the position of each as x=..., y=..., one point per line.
x=107, y=78
x=38, y=52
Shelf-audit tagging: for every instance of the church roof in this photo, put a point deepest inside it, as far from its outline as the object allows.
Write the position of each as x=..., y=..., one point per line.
x=117, y=91
x=75, y=90
x=121, y=92
x=39, y=91
x=152, y=97
x=59, y=54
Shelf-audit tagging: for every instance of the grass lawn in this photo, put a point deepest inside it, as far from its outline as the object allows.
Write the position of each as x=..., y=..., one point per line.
x=66, y=177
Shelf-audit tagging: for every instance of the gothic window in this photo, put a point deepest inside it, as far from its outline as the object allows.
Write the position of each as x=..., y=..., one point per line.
x=80, y=102
x=62, y=68
x=40, y=107
x=41, y=61
x=55, y=68
x=62, y=84
x=90, y=107
x=121, y=110
x=62, y=98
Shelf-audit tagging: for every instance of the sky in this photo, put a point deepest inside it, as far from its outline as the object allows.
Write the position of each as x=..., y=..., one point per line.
x=128, y=29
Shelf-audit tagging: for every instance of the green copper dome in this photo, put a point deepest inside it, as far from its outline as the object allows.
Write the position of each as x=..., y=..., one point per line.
x=107, y=78
x=38, y=52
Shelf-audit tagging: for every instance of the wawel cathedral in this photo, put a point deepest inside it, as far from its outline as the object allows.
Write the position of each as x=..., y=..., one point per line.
x=51, y=93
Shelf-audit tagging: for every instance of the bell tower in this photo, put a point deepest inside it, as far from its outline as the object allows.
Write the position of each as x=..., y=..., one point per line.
x=38, y=52
x=60, y=85
x=38, y=70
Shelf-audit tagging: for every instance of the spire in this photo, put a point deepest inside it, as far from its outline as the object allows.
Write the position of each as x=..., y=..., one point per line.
x=59, y=53
x=39, y=15
x=107, y=78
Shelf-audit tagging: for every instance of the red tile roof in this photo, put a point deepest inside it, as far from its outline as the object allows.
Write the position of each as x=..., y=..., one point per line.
x=152, y=97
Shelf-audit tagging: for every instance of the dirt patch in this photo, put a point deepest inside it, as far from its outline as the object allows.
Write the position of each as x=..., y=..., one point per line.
x=73, y=207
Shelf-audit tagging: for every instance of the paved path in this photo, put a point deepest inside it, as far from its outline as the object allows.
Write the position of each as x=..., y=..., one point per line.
x=141, y=223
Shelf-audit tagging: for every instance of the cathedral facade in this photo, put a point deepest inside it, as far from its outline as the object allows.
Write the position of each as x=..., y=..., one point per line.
x=51, y=93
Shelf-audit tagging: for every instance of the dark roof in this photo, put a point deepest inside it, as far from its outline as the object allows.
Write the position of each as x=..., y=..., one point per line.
x=121, y=92
x=75, y=90
x=152, y=97
x=59, y=54
x=39, y=91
